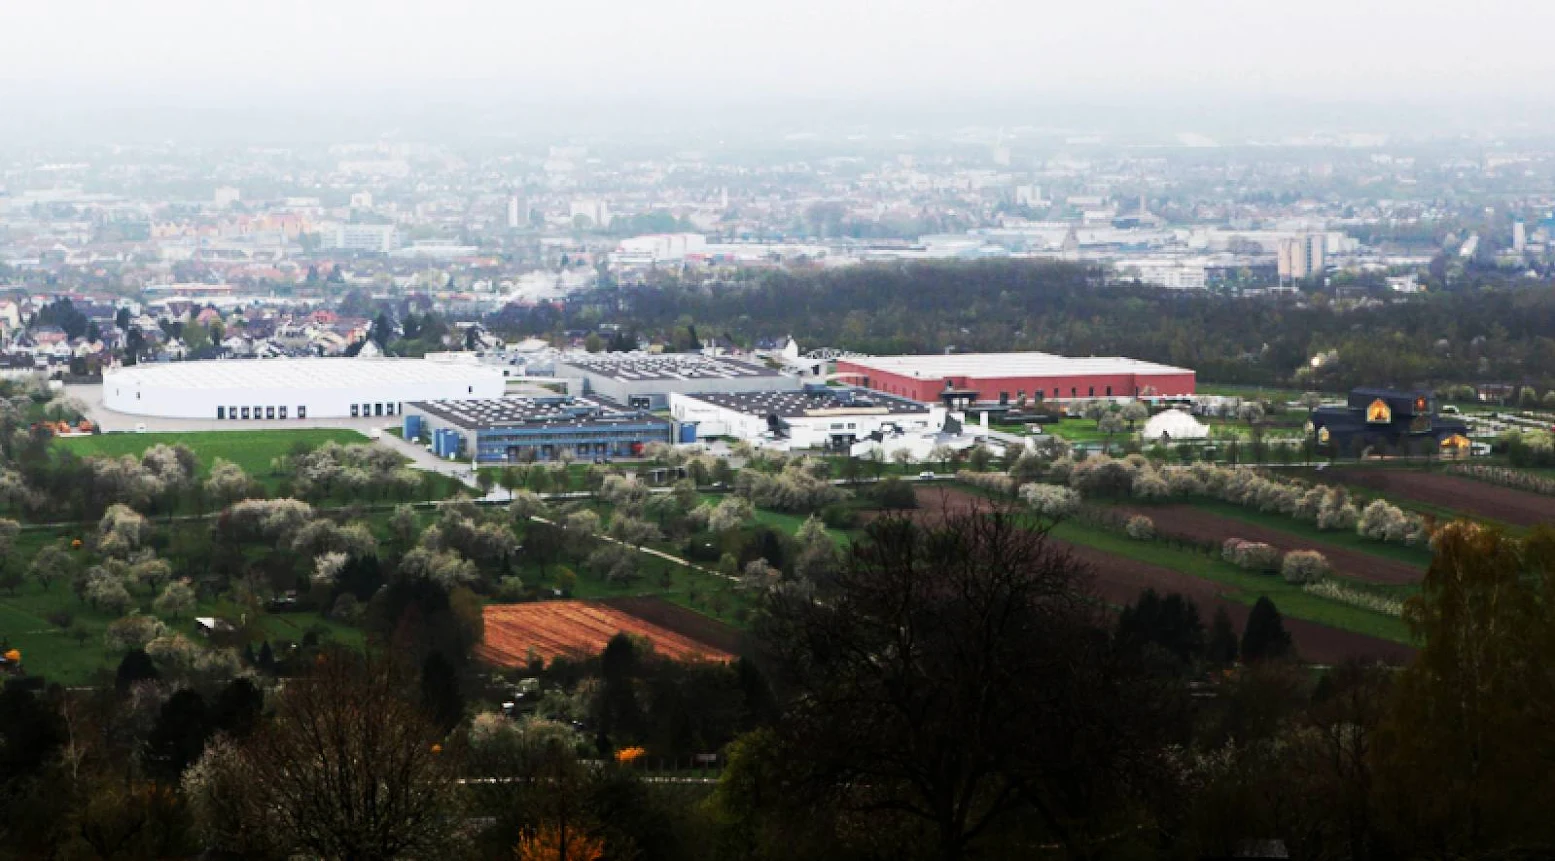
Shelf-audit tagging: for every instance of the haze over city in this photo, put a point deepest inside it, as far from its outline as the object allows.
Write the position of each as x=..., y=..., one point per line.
x=809, y=431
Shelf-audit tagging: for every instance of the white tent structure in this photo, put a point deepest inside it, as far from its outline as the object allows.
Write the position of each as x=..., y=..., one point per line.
x=1172, y=426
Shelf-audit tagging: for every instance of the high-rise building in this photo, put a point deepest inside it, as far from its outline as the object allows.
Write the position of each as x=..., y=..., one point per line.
x=379, y=238
x=595, y=210
x=1300, y=257
x=1519, y=237
x=225, y=196
x=518, y=212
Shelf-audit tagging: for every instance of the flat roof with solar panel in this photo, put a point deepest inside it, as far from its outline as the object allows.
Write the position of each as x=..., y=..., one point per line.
x=648, y=367
x=532, y=412
x=814, y=402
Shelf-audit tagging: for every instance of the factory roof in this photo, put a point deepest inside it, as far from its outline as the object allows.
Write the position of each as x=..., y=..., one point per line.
x=646, y=367
x=514, y=412
x=814, y=402
x=996, y=365
x=294, y=373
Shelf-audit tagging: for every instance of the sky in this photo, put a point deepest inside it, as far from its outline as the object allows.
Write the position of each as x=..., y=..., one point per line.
x=679, y=53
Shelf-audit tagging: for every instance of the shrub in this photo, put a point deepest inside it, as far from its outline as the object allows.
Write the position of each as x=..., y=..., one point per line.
x=1383, y=521
x=1050, y=500
x=839, y=517
x=1251, y=555
x=1140, y=528
x=893, y=494
x=1304, y=566
x=992, y=481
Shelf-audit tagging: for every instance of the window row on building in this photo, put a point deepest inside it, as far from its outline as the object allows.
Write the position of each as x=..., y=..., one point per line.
x=271, y=411
x=258, y=412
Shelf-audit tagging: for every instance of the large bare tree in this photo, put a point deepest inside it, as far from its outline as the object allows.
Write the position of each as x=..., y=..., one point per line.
x=348, y=768
x=956, y=686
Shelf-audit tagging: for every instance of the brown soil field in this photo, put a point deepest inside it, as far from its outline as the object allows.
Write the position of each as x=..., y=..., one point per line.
x=1119, y=580
x=575, y=629
x=1476, y=498
x=687, y=623
x=1185, y=521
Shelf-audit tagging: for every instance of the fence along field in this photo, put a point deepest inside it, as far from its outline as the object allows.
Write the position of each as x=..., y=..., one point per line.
x=575, y=629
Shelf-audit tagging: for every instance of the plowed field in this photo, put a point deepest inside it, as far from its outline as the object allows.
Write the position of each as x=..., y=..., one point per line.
x=1477, y=498
x=1185, y=521
x=1119, y=580
x=687, y=623
x=575, y=629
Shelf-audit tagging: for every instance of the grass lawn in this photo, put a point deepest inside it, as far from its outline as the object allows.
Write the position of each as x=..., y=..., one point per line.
x=1238, y=585
x=250, y=449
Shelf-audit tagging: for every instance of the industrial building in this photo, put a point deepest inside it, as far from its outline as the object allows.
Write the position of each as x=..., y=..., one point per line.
x=645, y=380
x=815, y=417
x=963, y=380
x=524, y=429
x=282, y=389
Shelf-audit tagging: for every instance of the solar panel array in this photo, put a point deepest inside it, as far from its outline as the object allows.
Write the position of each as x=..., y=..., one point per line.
x=799, y=403
x=643, y=367
x=514, y=411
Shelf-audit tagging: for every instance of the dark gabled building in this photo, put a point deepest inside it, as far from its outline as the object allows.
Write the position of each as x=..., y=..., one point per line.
x=1388, y=421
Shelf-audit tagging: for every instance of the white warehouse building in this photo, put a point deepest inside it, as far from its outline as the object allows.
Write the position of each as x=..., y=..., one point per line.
x=816, y=417
x=305, y=388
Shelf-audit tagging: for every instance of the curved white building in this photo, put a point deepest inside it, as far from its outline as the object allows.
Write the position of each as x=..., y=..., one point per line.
x=281, y=389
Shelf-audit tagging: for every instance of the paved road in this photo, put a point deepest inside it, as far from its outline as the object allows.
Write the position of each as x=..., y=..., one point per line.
x=426, y=461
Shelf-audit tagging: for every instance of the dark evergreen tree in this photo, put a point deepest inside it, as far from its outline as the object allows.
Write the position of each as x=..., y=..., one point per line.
x=1171, y=624
x=1265, y=637
x=1222, y=648
x=237, y=708
x=178, y=737
x=619, y=715
x=30, y=732
x=266, y=658
x=440, y=695
x=135, y=666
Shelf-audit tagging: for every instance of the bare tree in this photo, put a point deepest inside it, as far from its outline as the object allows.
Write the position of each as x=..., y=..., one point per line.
x=956, y=683
x=349, y=768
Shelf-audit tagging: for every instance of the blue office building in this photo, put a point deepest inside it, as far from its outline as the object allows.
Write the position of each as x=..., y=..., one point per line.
x=526, y=429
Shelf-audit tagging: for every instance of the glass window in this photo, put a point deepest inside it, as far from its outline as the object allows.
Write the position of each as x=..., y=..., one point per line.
x=377, y=409
x=355, y=411
x=269, y=412
x=282, y=412
x=221, y=412
x=1109, y=391
x=1091, y=392
x=302, y=411
x=245, y=412
x=232, y=412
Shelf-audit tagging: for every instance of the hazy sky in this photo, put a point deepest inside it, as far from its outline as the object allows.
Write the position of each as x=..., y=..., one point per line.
x=736, y=50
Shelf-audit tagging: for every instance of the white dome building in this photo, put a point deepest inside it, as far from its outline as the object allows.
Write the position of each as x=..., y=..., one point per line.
x=279, y=389
x=1173, y=426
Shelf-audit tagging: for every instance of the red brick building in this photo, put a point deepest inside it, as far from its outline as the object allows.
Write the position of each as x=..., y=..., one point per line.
x=1010, y=377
